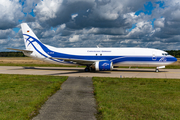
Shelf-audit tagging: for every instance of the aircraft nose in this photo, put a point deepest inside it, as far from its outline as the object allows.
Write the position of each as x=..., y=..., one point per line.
x=174, y=59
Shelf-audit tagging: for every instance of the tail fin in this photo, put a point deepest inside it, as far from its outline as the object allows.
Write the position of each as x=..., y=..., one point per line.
x=29, y=36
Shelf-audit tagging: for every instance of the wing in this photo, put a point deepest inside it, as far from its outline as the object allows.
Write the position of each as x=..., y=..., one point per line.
x=77, y=61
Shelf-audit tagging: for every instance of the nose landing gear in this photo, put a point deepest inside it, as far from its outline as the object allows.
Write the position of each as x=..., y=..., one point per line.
x=157, y=69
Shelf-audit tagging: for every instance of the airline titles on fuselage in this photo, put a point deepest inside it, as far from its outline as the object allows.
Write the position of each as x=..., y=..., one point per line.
x=97, y=51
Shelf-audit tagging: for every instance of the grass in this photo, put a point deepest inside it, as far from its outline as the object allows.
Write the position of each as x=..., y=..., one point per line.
x=137, y=98
x=173, y=67
x=22, y=95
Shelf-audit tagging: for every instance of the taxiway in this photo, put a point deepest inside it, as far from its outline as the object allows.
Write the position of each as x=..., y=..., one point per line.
x=79, y=72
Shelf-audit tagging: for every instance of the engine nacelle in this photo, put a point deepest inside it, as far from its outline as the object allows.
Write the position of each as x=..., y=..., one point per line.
x=103, y=65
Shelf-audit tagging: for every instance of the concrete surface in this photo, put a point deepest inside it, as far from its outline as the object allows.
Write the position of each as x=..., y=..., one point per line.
x=73, y=71
x=75, y=101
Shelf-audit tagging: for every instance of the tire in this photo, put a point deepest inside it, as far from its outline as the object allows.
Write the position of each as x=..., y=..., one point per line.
x=87, y=69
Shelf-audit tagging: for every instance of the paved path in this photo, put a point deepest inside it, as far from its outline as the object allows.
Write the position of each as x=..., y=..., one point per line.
x=73, y=71
x=74, y=102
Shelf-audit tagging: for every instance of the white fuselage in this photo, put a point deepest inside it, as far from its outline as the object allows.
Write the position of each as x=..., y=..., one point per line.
x=120, y=56
x=100, y=58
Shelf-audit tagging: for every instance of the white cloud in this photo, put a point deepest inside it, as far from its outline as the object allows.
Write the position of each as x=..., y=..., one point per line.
x=176, y=14
x=11, y=12
x=47, y=9
x=172, y=2
x=48, y=33
x=74, y=38
x=35, y=25
x=93, y=22
x=6, y=33
x=73, y=16
x=60, y=28
x=29, y=5
x=159, y=22
x=3, y=41
x=141, y=29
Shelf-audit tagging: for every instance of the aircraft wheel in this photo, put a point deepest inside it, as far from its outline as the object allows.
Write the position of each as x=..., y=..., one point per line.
x=92, y=69
x=87, y=69
x=157, y=70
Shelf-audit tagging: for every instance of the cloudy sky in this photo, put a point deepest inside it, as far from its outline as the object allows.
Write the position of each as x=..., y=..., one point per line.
x=88, y=23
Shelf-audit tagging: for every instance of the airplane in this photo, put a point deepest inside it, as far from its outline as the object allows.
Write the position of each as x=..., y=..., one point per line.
x=95, y=59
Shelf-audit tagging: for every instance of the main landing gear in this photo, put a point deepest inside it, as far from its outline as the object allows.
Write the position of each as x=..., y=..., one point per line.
x=89, y=69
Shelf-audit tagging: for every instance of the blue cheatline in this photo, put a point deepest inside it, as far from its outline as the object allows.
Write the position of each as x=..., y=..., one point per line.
x=114, y=59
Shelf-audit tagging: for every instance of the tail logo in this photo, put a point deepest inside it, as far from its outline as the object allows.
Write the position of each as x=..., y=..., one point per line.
x=30, y=40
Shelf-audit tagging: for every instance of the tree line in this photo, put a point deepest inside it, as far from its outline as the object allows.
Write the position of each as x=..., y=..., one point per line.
x=12, y=54
x=175, y=53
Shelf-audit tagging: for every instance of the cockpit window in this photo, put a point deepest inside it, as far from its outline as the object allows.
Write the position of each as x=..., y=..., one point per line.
x=165, y=54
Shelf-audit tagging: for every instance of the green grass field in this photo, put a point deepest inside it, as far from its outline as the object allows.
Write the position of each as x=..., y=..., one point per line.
x=22, y=95
x=137, y=98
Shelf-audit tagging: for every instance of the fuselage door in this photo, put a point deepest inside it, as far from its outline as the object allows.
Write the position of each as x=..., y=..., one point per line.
x=154, y=56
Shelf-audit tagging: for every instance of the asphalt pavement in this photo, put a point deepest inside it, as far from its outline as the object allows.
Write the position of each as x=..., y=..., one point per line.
x=75, y=101
x=76, y=72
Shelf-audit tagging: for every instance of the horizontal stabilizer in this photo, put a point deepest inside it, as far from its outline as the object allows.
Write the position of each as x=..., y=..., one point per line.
x=20, y=50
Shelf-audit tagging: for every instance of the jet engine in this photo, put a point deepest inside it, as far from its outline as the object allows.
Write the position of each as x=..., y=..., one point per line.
x=103, y=66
